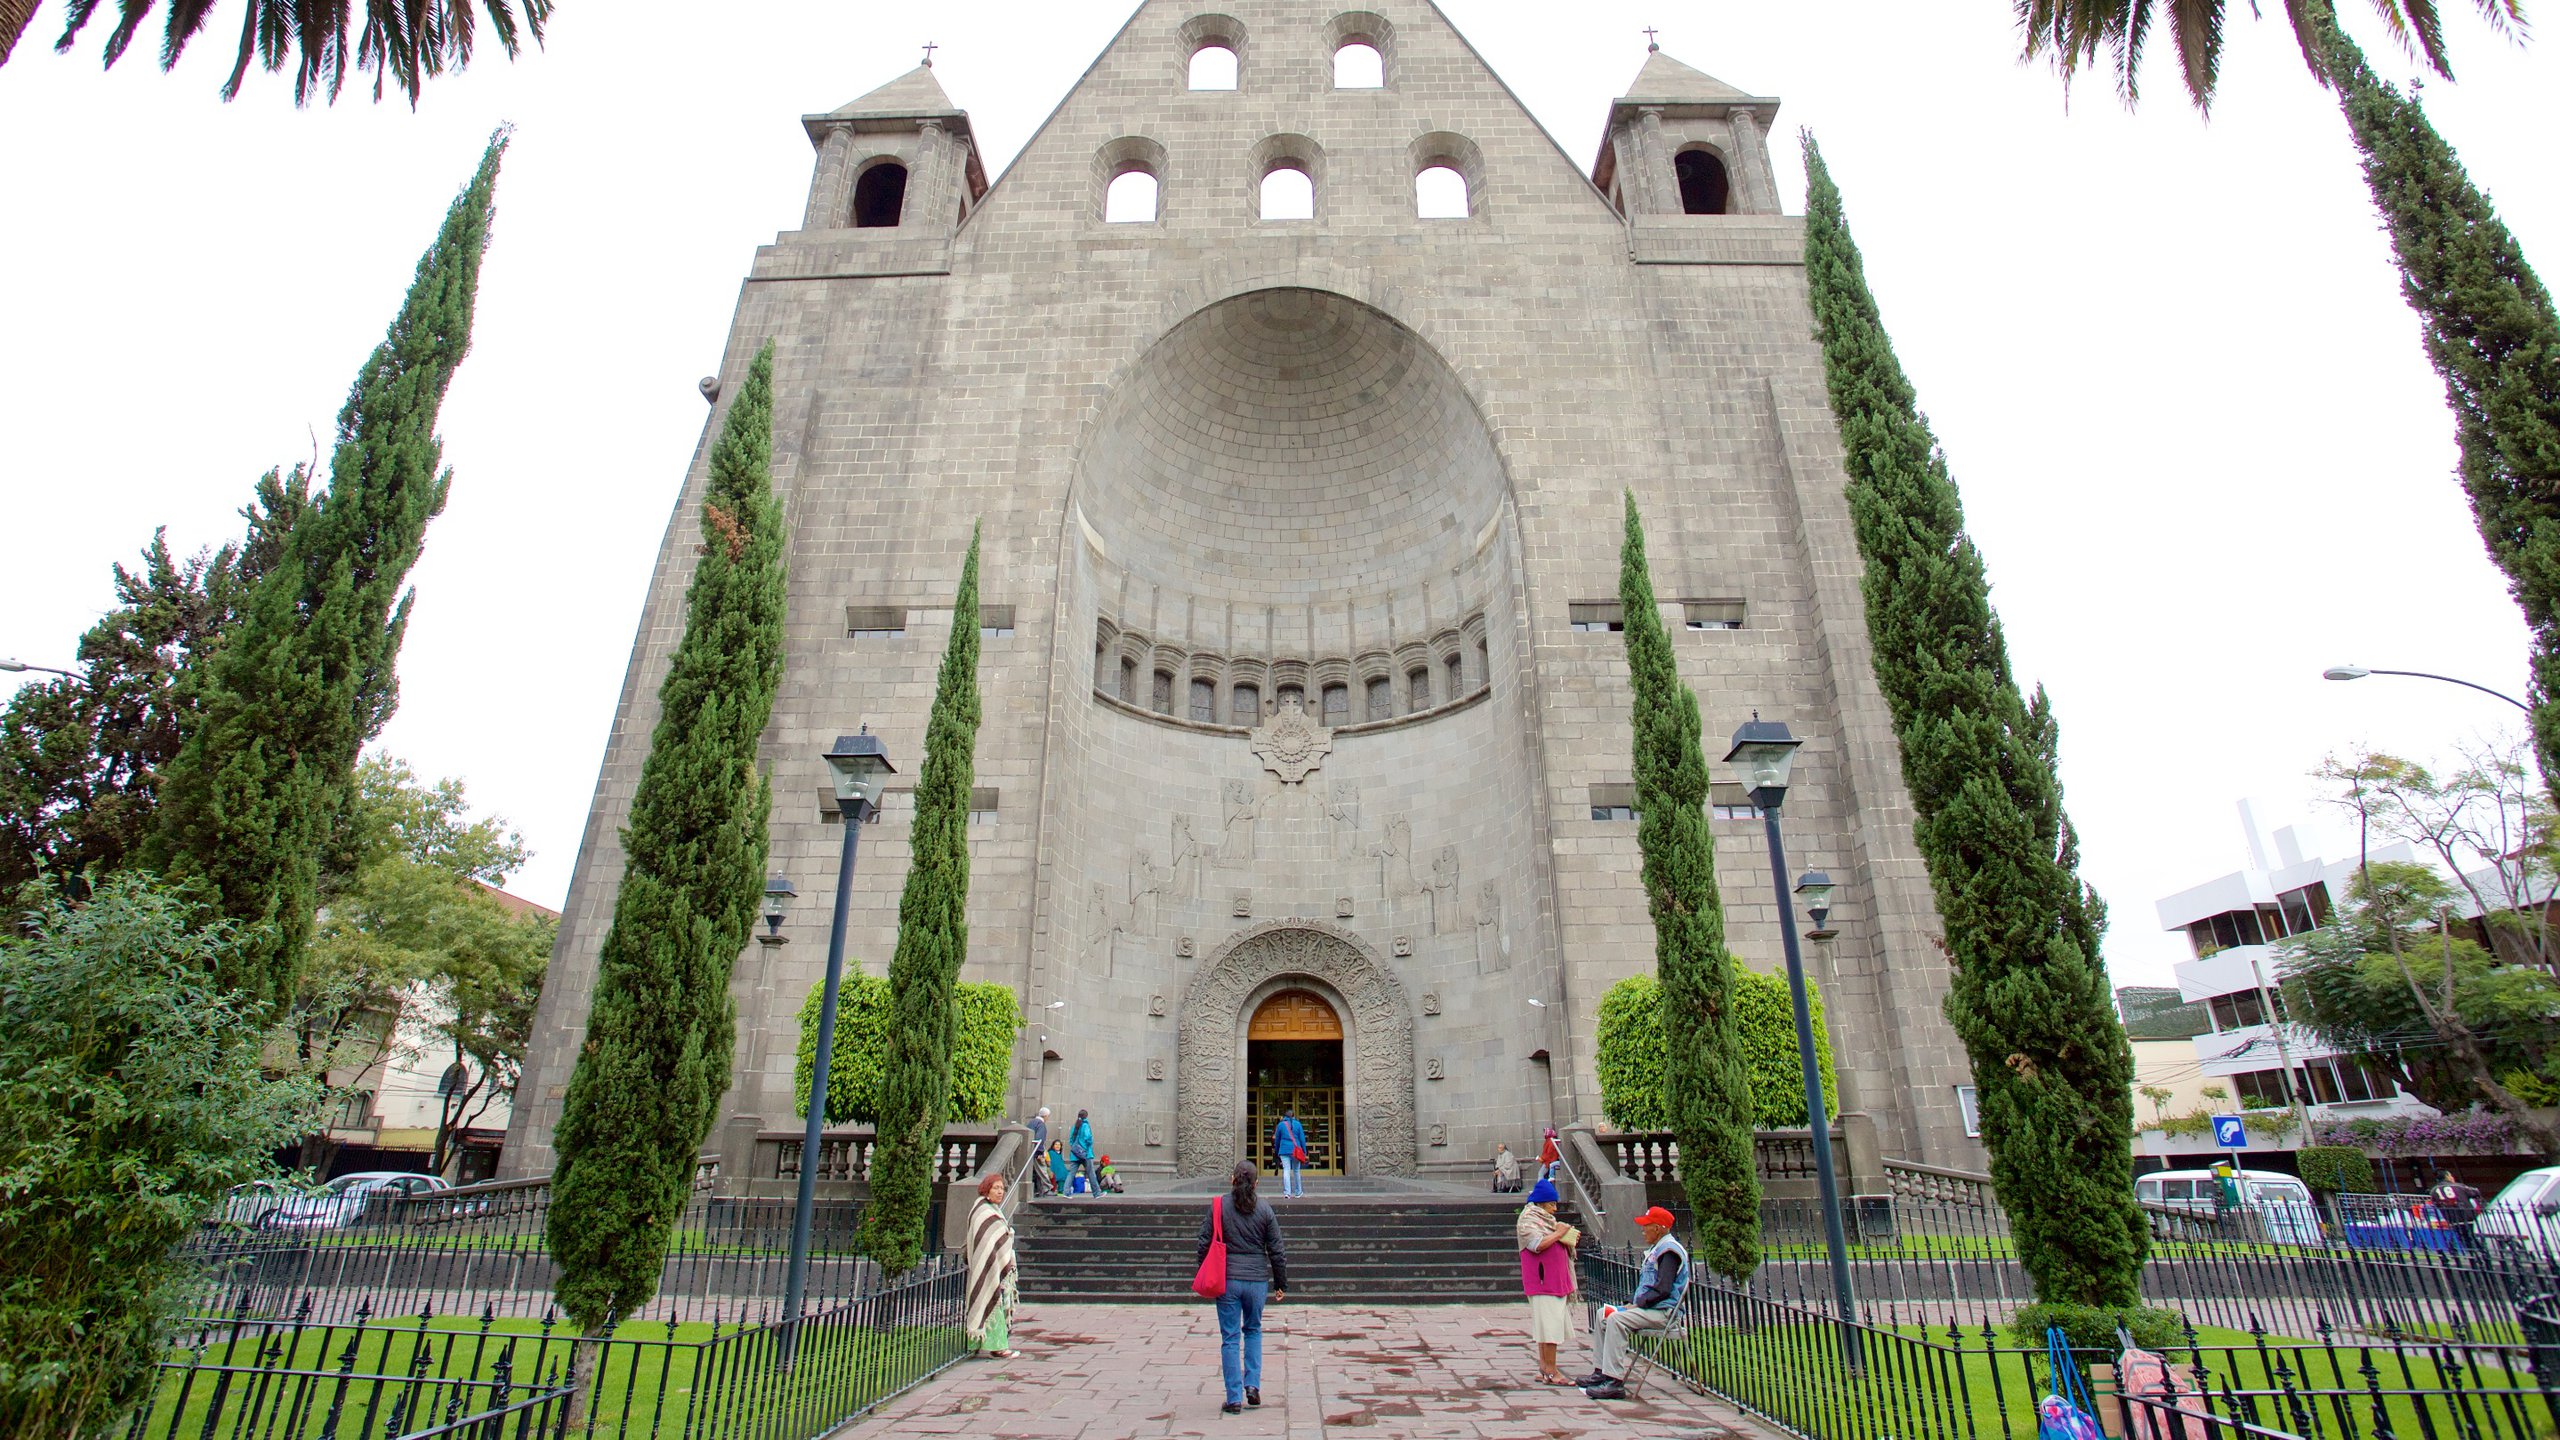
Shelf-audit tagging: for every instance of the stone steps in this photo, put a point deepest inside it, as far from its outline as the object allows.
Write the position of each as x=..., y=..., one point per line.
x=1402, y=1250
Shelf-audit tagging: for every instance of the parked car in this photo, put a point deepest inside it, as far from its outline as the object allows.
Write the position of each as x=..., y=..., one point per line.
x=350, y=1200
x=2526, y=1214
x=2273, y=1205
x=248, y=1206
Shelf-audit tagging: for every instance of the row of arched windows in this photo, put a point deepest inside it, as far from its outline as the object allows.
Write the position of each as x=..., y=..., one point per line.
x=1289, y=165
x=1217, y=47
x=1212, y=690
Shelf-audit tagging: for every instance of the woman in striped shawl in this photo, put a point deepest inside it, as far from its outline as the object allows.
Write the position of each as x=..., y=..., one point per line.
x=988, y=1316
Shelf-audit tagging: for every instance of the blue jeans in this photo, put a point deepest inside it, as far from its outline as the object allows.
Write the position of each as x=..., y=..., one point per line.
x=1289, y=1184
x=1240, y=1323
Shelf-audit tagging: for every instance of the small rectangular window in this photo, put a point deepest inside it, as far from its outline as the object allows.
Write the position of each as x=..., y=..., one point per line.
x=983, y=804
x=1729, y=801
x=1419, y=684
x=1382, y=699
x=1247, y=707
x=1596, y=615
x=1337, y=705
x=1204, y=702
x=1712, y=614
x=1969, y=1105
x=1613, y=802
x=875, y=622
x=1164, y=692
x=995, y=622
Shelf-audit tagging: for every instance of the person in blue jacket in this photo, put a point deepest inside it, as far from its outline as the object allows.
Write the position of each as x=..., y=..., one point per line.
x=1289, y=1143
x=1080, y=1151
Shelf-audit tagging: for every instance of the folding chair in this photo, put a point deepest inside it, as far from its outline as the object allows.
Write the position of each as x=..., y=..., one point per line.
x=1647, y=1344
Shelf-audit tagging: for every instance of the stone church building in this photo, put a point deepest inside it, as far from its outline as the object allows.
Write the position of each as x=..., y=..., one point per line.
x=1304, y=773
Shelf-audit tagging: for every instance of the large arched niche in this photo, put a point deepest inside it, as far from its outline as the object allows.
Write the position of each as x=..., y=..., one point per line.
x=1289, y=447
x=1240, y=974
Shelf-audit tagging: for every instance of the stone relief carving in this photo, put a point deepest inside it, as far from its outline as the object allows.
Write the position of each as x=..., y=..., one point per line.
x=1404, y=945
x=1439, y=1134
x=1431, y=1069
x=1290, y=744
x=1493, y=950
x=1394, y=854
x=1379, y=1051
x=1444, y=891
x=1430, y=1002
x=1235, y=839
x=1155, y=1069
x=1155, y=1004
x=1344, y=816
x=1184, y=947
x=1343, y=906
x=1242, y=908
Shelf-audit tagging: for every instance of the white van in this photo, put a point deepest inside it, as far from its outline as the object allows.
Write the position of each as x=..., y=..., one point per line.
x=2278, y=1205
x=2526, y=1214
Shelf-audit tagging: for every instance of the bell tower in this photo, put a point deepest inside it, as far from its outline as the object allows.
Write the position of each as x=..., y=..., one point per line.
x=900, y=158
x=1682, y=142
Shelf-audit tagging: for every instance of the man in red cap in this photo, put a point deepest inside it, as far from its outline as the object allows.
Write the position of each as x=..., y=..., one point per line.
x=1659, y=1286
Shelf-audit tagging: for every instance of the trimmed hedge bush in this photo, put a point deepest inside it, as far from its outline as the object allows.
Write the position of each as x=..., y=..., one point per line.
x=1630, y=1052
x=987, y=1020
x=2336, y=1170
x=2093, y=1327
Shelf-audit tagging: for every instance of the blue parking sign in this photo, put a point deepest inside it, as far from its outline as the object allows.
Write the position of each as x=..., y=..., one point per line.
x=2229, y=1133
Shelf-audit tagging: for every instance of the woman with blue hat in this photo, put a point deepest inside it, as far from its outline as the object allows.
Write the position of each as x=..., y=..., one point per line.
x=1546, y=1273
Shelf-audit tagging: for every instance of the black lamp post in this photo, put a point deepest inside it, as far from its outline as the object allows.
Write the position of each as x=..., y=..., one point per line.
x=778, y=896
x=1763, y=755
x=862, y=768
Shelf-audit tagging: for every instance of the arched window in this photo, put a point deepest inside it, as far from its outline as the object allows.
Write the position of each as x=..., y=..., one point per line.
x=1164, y=692
x=1703, y=186
x=1419, y=682
x=1128, y=681
x=1204, y=702
x=1131, y=199
x=1288, y=193
x=1457, y=678
x=1440, y=193
x=456, y=1080
x=1337, y=705
x=1248, y=707
x=1359, y=66
x=1382, y=699
x=879, y=195
x=1213, y=67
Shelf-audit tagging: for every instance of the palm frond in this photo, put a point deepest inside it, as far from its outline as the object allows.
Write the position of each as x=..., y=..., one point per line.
x=2072, y=32
x=401, y=43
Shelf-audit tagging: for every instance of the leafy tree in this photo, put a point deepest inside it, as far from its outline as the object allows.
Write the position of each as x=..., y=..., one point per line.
x=131, y=1097
x=306, y=675
x=1631, y=1052
x=982, y=1043
x=649, y=1078
x=2390, y=979
x=402, y=42
x=2491, y=333
x=933, y=943
x=2335, y=1170
x=2028, y=996
x=1706, y=1086
x=2072, y=32
x=80, y=756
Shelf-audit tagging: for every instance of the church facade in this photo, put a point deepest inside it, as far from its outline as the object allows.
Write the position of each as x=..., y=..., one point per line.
x=1304, y=776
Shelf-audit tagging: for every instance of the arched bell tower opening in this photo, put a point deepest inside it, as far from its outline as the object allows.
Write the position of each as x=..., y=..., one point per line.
x=1293, y=1066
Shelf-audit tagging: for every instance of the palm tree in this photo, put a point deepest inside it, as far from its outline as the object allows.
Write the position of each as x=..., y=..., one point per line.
x=401, y=41
x=2074, y=31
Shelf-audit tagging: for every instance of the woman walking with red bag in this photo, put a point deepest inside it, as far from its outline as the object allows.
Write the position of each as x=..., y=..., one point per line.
x=1242, y=1266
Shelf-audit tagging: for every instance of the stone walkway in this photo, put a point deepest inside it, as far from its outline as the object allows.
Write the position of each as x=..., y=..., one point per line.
x=1135, y=1372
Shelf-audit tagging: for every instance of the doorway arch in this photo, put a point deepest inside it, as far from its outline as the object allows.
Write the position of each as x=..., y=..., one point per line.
x=1331, y=964
x=1293, y=1058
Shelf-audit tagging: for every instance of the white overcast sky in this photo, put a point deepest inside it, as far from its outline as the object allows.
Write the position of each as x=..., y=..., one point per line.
x=2168, y=358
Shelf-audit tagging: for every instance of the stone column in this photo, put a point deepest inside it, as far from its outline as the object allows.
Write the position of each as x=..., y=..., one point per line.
x=1662, y=192
x=830, y=200
x=1751, y=155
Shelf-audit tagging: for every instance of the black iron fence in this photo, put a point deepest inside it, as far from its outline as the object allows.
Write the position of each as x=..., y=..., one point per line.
x=482, y=1247
x=496, y=1377
x=1798, y=1365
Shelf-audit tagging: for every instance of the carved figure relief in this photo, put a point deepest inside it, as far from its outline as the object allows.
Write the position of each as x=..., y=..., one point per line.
x=1444, y=891
x=1378, y=1053
x=1186, y=860
x=1493, y=951
x=1235, y=839
x=1439, y=1134
x=1290, y=744
x=1394, y=854
x=1344, y=816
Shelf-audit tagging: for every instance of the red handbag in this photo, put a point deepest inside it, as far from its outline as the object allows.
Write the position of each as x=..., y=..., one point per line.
x=1211, y=1282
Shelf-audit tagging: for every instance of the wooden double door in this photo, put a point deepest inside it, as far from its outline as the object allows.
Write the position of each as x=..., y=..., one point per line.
x=1293, y=1065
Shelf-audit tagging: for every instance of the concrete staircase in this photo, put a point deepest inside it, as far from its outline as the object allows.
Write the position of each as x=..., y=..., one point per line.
x=1375, y=1249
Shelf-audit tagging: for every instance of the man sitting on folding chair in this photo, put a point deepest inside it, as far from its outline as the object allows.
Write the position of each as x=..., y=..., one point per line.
x=1659, y=1286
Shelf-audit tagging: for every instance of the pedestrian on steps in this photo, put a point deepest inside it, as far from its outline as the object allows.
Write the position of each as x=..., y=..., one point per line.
x=1040, y=1180
x=1550, y=1155
x=987, y=1316
x=1257, y=1273
x=1289, y=1144
x=1080, y=1152
x=1546, y=1274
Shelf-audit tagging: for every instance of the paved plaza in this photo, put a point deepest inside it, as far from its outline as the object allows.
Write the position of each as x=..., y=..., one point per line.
x=1465, y=1372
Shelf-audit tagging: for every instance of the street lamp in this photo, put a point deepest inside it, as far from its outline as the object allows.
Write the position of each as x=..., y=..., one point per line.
x=2358, y=672
x=1815, y=888
x=1763, y=756
x=15, y=666
x=778, y=896
x=861, y=768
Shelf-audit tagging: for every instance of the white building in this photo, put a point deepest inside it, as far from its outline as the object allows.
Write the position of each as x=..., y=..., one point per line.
x=2235, y=925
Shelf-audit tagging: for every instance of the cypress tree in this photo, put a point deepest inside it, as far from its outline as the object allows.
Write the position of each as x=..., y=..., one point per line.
x=306, y=677
x=649, y=1078
x=1706, y=1084
x=2490, y=331
x=2029, y=991
x=933, y=941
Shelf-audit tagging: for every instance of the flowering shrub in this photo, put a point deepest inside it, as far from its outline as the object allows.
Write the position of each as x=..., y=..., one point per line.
x=2473, y=1132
